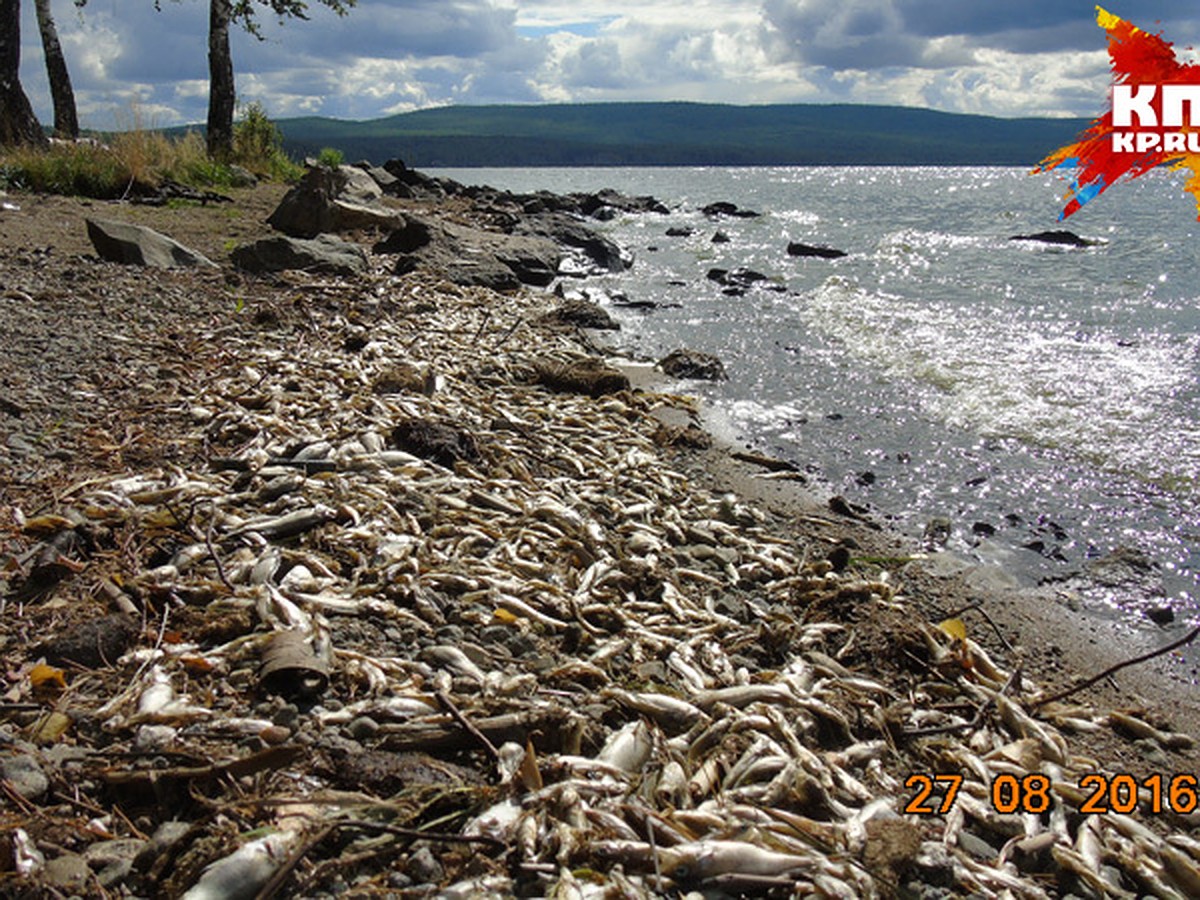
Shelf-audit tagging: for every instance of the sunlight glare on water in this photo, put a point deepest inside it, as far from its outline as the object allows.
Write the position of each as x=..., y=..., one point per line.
x=997, y=382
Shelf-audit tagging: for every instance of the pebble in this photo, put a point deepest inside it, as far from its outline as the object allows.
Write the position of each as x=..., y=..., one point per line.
x=25, y=776
x=113, y=859
x=363, y=727
x=1152, y=753
x=424, y=868
x=165, y=836
x=154, y=737
x=286, y=716
x=68, y=872
x=976, y=846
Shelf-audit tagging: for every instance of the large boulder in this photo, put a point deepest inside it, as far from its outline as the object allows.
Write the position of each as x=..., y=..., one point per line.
x=580, y=313
x=141, y=246
x=686, y=363
x=1061, y=237
x=590, y=376
x=324, y=253
x=381, y=176
x=724, y=208
x=596, y=205
x=796, y=248
x=329, y=200
x=571, y=232
x=411, y=184
x=738, y=281
x=471, y=256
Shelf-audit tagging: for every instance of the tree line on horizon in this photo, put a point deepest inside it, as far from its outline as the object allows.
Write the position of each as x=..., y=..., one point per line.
x=19, y=124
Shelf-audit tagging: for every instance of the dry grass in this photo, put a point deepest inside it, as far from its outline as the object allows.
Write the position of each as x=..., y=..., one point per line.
x=138, y=159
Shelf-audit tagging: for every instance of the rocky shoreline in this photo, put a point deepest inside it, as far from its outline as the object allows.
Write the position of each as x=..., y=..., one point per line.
x=384, y=584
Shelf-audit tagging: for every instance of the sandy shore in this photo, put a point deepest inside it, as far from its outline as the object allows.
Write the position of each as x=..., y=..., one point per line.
x=199, y=382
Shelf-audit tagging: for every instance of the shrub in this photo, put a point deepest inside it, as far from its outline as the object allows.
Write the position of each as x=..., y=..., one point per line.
x=330, y=158
x=258, y=145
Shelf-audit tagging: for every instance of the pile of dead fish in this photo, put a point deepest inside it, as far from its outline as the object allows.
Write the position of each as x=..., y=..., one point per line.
x=422, y=625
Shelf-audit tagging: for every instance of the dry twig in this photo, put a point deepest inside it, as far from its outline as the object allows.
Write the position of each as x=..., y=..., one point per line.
x=1087, y=683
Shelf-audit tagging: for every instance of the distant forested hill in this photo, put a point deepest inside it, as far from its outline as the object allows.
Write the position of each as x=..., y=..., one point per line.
x=595, y=134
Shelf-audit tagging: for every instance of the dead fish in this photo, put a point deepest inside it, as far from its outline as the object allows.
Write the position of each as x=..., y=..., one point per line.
x=289, y=525
x=703, y=860
x=628, y=748
x=1143, y=730
x=240, y=875
x=671, y=713
x=452, y=658
x=742, y=695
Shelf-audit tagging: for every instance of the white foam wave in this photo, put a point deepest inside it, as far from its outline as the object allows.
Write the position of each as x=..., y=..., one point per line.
x=1098, y=398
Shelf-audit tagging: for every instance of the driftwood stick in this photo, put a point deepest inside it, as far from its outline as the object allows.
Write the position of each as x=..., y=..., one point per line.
x=447, y=704
x=1061, y=695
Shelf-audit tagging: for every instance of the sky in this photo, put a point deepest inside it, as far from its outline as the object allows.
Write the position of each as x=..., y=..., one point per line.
x=133, y=65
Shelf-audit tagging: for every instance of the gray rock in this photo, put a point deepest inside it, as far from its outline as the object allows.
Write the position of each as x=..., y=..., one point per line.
x=724, y=208
x=568, y=231
x=166, y=836
x=113, y=860
x=26, y=776
x=424, y=868
x=381, y=176
x=795, y=248
x=324, y=253
x=362, y=728
x=357, y=186
x=412, y=183
x=937, y=532
x=739, y=279
x=331, y=200
x=472, y=256
x=581, y=314
x=686, y=363
x=1123, y=566
x=991, y=579
x=102, y=853
x=976, y=846
x=151, y=738
x=240, y=177
x=137, y=245
x=68, y=872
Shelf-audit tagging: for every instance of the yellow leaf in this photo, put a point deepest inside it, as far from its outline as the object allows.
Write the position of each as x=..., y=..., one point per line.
x=45, y=526
x=47, y=680
x=197, y=665
x=956, y=628
x=503, y=616
x=530, y=775
x=49, y=728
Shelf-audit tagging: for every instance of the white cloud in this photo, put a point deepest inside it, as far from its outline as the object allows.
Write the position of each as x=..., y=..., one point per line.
x=1025, y=57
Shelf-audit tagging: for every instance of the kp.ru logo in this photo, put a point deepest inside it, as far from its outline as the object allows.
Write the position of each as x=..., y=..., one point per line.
x=1144, y=102
x=1154, y=119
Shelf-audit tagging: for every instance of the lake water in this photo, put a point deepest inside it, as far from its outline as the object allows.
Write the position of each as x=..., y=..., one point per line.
x=1043, y=399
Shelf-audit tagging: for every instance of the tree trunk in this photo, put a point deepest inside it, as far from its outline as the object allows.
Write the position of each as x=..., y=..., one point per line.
x=221, y=96
x=66, y=122
x=18, y=124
